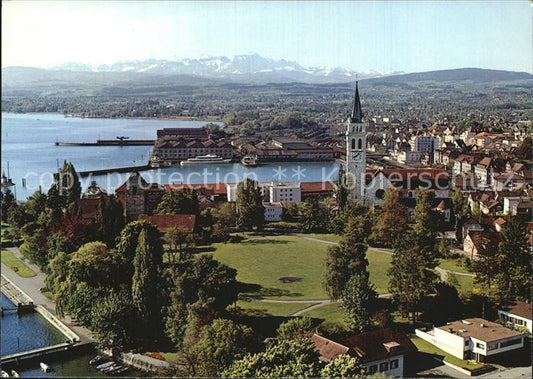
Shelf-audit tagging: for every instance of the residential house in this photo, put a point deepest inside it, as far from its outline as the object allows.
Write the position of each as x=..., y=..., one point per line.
x=381, y=350
x=479, y=242
x=518, y=313
x=473, y=338
x=138, y=196
x=483, y=170
x=507, y=181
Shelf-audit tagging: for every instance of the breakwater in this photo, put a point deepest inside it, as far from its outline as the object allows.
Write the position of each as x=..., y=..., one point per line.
x=110, y=142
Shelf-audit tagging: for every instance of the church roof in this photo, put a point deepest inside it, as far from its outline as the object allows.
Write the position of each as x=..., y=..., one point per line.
x=357, y=113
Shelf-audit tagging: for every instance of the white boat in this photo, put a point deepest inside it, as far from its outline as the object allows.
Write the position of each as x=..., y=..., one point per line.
x=105, y=365
x=203, y=159
x=15, y=374
x=5, y=374
x=249, y=160
x=45, y=367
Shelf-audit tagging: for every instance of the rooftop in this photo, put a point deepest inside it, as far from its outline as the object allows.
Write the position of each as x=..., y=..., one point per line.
x=480, y=329
x=519, y=308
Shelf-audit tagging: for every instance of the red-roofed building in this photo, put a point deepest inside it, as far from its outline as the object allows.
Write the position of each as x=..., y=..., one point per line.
x=166, y=222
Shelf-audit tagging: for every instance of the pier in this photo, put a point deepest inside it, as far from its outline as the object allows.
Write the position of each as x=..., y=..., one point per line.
x=110, y=142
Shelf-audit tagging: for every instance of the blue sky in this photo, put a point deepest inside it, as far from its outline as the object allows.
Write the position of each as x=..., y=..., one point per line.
x=386, y=36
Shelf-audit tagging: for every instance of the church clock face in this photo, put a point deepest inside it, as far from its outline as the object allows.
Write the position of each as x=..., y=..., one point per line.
x=356, y=157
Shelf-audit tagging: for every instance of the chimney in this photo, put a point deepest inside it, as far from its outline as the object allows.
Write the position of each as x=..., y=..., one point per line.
x=482, y=325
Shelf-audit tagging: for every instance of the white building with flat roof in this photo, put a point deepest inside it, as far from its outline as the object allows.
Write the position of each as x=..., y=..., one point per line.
x=473, y=338
x=285, y=193
x=273, y=211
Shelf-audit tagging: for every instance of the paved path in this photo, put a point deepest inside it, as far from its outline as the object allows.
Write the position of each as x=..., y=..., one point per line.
x=32, y=287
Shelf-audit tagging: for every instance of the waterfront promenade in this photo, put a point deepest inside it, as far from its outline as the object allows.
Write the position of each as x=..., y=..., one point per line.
x=32, y=288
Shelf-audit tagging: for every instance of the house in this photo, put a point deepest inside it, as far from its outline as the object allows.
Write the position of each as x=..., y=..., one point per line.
x=381, y=350
x=473, y=338
x=479, y=242
x=517, y=205
x=273, y=211
x=138, y=196
x=166, y=222
x=482, y=170
x=507, y=181
x=516, y=314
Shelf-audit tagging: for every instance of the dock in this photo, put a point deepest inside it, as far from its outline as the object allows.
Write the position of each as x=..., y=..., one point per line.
x=110, y=142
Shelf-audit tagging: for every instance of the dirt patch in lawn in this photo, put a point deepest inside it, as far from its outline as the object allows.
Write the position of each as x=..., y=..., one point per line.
x=290, y=279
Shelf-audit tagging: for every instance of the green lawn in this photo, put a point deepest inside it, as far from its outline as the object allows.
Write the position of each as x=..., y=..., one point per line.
x=378, y=264
x=272, y=309
x=262, y=261
x=452, y=265
x=330, y=312
x=324, y=236
x=16, y=264
x=426, y=347
x=466, y=283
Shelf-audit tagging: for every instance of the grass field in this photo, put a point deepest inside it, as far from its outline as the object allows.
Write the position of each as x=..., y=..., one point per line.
x=272, y=309
x=262, y=261
x=16, y=264
x=324, y=236
x=426, y=347
x=452, y=265
x=330, y=312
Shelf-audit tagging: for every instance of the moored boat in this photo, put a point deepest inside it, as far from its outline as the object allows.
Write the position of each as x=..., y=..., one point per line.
x=203, y=159
x=5, y=374
x=103, y=366
x=249, y=160
x=45, y=367
x=15, y=374
x=97, y=360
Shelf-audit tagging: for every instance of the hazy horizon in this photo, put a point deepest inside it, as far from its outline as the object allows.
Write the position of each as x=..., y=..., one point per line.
x=408, y=36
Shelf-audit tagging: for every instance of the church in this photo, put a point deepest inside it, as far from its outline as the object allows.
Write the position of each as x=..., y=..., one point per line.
x=355, y=167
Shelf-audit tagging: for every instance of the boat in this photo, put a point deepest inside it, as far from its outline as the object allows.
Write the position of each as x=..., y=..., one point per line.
x=5, y=374
x=15, y=374
x=105, y=365
x=114, y=367
x=45, y=367
x=120, y=370
x=249, y=160
x=97, y=360
x=202, y=159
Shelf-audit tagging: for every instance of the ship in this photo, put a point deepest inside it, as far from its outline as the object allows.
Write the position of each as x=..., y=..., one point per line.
x=249, y=160
x=205, y=159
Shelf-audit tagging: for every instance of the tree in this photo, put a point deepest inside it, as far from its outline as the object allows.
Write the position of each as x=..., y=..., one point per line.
x=514, y=261
x=356, y=211
x=250, y=210
x=359, y=302
x=313, y=216
x=281, y=359
x=426, y=219
x=290, y=212
x=297, y=327
x=8, y=202
x=343, y=366
x=411, y=274
x=445, y=306
x=55, y=202
x=485, y=267
x=113, y=321
x=146, y=282
x=110, y=220
x=391, y=221
x=200, y=284
x=345, y=260
x=219, y=344
x=179, y=241
x=341, y=190
x=69, y=186
x=178, y=202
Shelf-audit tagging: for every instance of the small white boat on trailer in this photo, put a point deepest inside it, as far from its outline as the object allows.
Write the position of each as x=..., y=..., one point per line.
x=45, y=367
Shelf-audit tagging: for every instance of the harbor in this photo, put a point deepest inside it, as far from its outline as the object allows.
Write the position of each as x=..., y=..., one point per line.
x=117, y=142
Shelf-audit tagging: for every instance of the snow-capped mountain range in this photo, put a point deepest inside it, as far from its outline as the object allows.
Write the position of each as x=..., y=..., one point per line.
x=249, y=67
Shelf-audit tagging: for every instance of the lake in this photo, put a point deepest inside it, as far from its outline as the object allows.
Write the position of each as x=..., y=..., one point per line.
x=28, y=144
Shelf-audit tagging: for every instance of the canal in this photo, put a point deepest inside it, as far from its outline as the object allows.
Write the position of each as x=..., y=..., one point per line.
x=30, y=331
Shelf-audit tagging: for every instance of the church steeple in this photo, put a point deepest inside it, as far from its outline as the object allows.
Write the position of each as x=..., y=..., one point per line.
x=357, y=113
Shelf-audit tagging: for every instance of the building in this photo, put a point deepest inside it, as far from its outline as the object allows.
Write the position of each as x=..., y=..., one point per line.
x=355, y=136
x=516, y=314
x=285, y=193
x=138, y=196
x=166, y=222
x=479, y=242
x=473, y=338
x=273, y=211
x=170, y=150
x=185, y=133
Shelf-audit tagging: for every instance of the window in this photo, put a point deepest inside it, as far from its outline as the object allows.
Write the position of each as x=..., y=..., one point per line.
x=360, y=144
x=353, y=143
x=480, y=345
x=393, y=364
x=383, y=366
x=492, y=346
x=373, y=369
x=515, y=341
x=466, y=343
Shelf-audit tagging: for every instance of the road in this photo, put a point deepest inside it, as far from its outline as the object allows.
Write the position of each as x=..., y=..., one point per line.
x=32, y=287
